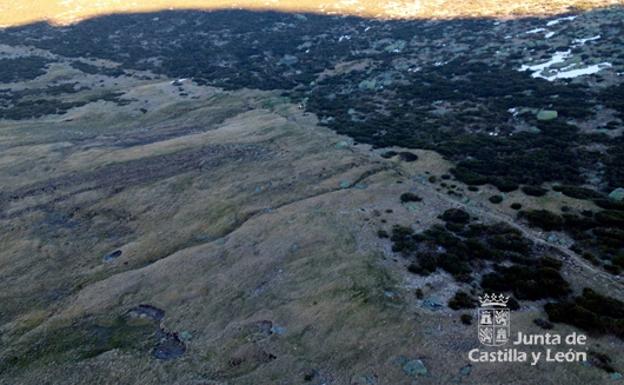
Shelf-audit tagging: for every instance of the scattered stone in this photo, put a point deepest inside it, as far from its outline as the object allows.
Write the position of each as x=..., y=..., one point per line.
x=112, y=256
x=259, y=330
x=466, y=370
x=415, y=368
x=367, y=84
x=392, y=295
x=345, y=184
x=432, y=304
x=617, y=194
x=545, y=115
x=185, y=336
x=147, y=311
x=279, y=330
x=288, y=60
x=169, y=347
x=342, y=144
x=412, y=207
x=368, y=379
x=553, y=238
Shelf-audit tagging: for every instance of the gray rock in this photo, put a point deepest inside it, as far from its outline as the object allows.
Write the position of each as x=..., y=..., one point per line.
x=545, y=115
x=432, y=304
x=289, y=60
x=367, y=379
x=279, y=330
x=617, y=194
x=466, y=370
x=185, y=336
x=414, y=368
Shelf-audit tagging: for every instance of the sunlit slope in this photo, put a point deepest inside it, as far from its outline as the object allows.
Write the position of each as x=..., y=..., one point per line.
x=68, y=11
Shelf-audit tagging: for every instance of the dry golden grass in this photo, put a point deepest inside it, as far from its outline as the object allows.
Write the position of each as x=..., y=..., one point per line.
x=14, y=13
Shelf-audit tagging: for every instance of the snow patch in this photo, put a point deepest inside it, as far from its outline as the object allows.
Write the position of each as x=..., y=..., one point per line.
x=583, y=41
x=572, y=71
x=559, y=20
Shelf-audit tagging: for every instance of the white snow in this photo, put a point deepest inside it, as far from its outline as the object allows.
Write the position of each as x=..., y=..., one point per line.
x=559, y=20
x=514, y=111
x=547, y=34
x=583, y=41
x=558, y=57
x=569, y=72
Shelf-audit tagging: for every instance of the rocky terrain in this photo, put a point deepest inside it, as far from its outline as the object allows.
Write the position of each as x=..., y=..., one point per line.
x=237, y=197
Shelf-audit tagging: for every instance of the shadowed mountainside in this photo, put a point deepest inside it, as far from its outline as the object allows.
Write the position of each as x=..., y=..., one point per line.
x=229, y=197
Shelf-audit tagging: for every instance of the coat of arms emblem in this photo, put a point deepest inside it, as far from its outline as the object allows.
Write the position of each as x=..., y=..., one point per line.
x=494, y=320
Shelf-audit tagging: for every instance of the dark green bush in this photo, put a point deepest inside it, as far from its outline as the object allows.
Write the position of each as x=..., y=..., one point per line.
x=591, y=311
x=534, y=191
x=408, y=156
x=578, y=192
x=462, y=300
x=543, y=219
x=455, y=216
x=527, y=282
x=410, y=197
x=496, y=199
x=389, y=154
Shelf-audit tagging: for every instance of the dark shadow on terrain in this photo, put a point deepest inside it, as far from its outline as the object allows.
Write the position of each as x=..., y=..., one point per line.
x=446, y=85
x=402, y=71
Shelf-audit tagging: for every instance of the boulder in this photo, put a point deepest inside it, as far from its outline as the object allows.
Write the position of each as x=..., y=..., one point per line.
x=415, y=368
x=617, y=194
x=545, y=115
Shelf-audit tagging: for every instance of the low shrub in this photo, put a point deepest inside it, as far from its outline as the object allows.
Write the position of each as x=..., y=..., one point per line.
x=591, y=311
x=543, y=219
x=534, y=191
x=455, y=216
x=462, y=300
x=410, y=197
x=496, y=199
